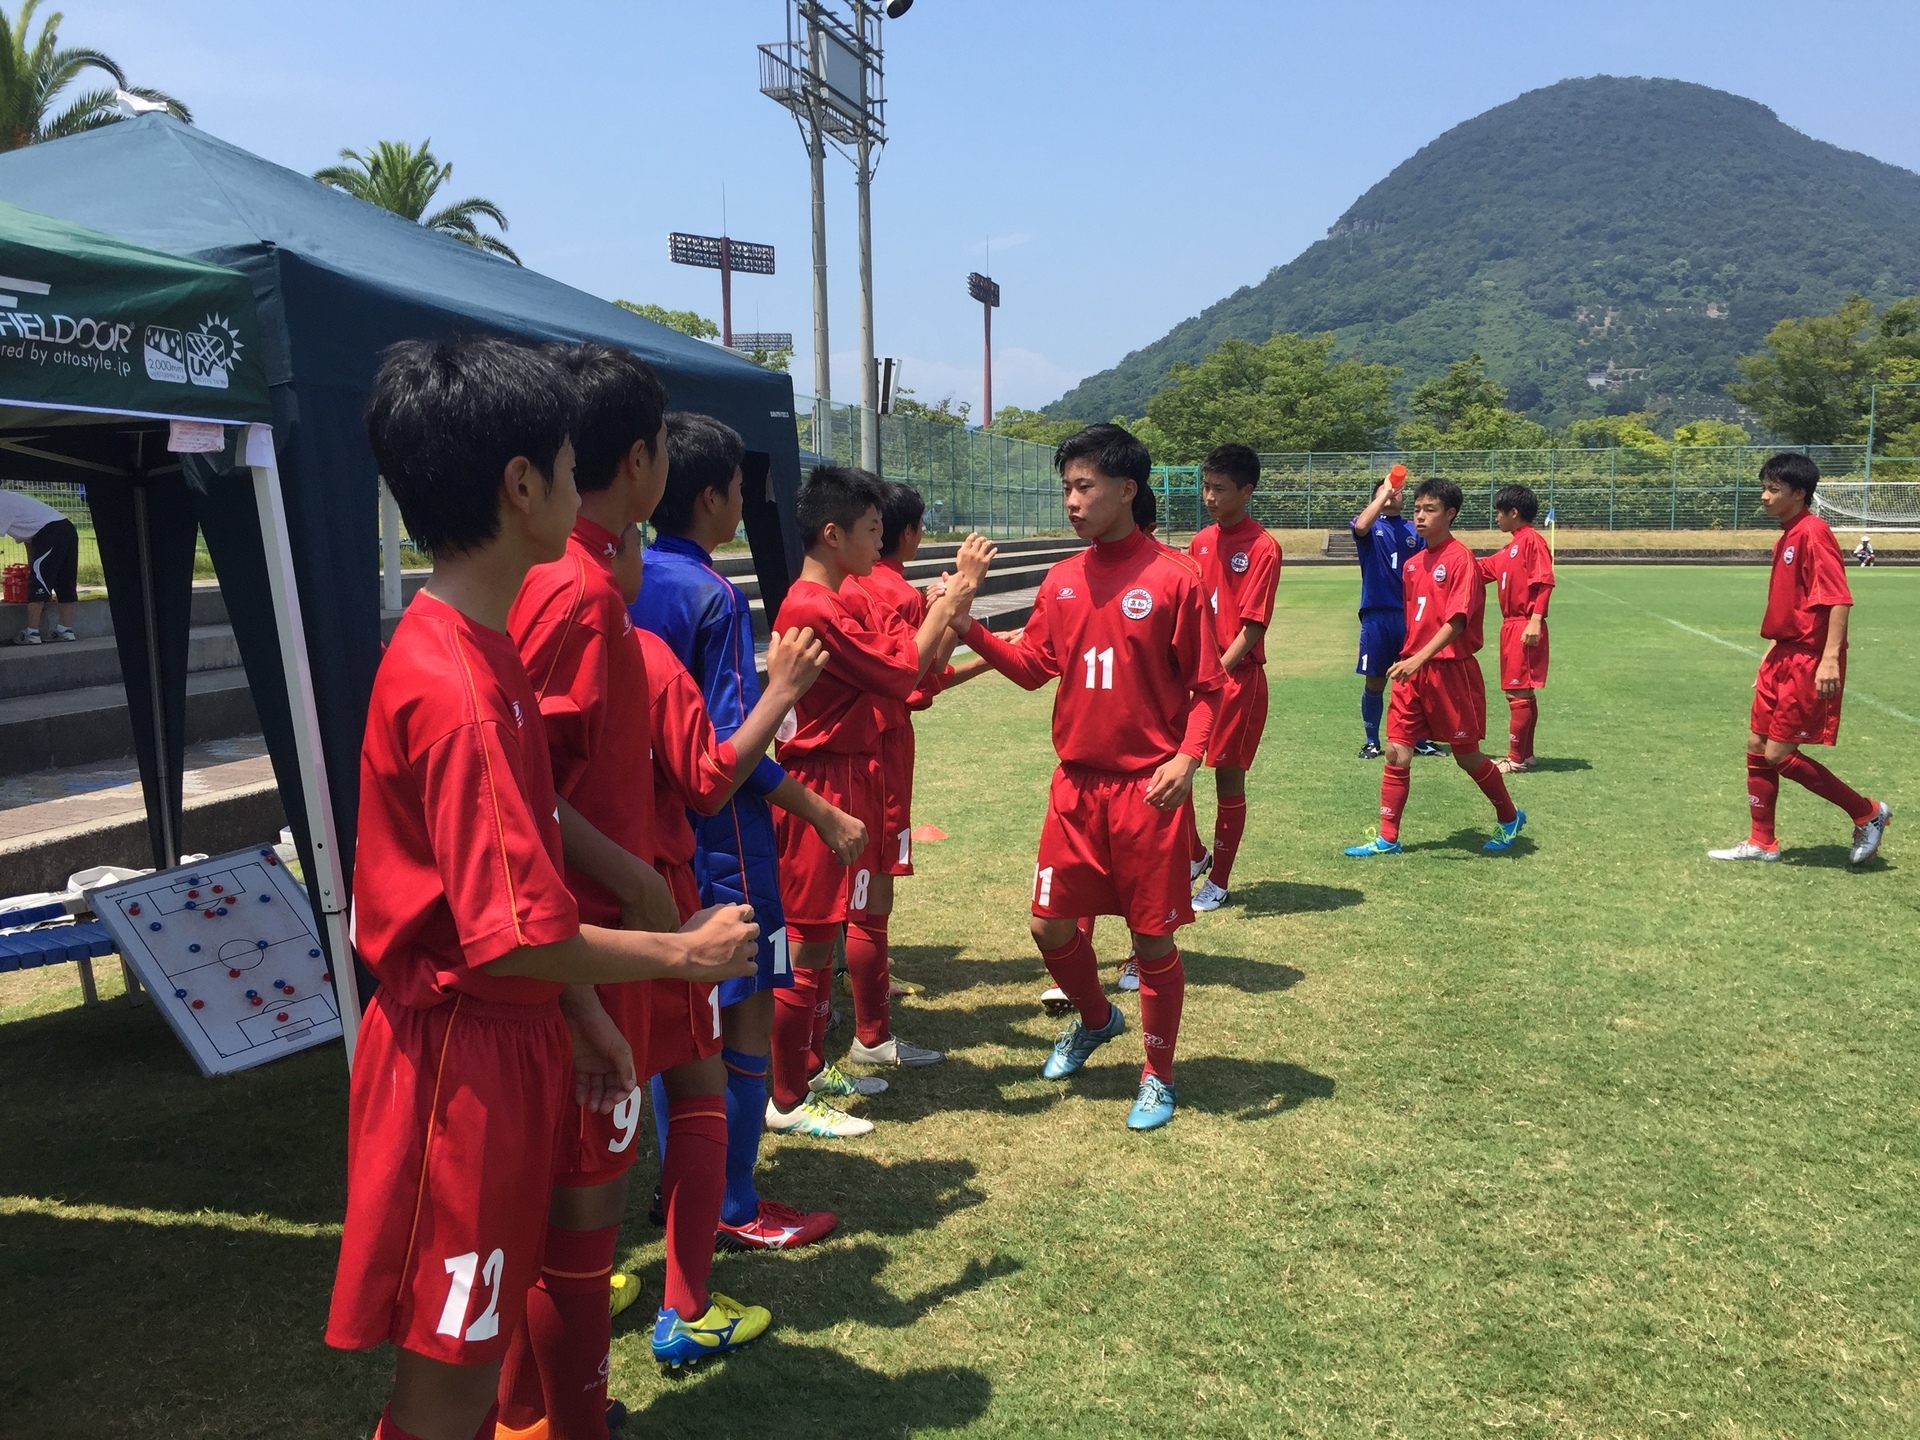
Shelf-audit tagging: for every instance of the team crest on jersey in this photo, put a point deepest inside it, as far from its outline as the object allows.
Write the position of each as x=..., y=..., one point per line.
x=1136, y=604
x=1512, y=552
x=1439, y=573
x=1239, y=562
x=518, y=721
x=1788, y=557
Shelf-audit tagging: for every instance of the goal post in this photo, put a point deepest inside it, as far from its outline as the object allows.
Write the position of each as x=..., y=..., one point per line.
x=1878, y=505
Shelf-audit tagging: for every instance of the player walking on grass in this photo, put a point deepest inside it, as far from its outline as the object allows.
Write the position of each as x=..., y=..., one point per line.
x=464, y=1102
x=1521, y=572
x=1384, y=540
x=1796, y=697
x=1438, y=688
x=834, y=750
x=1124, y=627
x=706, y=620
x=1239, y=572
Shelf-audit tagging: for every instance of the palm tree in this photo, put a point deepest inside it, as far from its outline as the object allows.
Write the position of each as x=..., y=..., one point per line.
x=397, y=177
x=33, y=73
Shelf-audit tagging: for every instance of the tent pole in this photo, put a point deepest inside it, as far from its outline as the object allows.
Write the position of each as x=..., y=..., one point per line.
x=168, y=840
x=306, y=729
x=391, y=595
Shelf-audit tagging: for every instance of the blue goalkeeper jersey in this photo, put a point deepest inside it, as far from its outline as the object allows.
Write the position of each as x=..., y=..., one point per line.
x=1383, y=550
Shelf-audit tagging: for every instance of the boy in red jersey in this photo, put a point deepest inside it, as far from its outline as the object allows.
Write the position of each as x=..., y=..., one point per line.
x=1438, y=690
x=1521, y=571
x=1124, y=627
x=459, y=906
x=1239, y=572
x=1796, y=699
x=834, y=751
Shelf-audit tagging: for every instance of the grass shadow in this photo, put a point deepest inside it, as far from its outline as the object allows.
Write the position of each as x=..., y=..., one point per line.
x=1830, y=857
x=1238, y=972
x=870, y=1198
x=1469, y=842
x=1292, y=897
x=1214, y=1085
x=1559, y=763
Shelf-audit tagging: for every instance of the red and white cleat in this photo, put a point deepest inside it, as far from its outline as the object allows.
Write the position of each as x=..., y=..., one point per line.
x=776, y=1227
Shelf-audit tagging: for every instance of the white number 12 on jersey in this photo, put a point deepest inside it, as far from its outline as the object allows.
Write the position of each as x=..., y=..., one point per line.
x=1100, y=661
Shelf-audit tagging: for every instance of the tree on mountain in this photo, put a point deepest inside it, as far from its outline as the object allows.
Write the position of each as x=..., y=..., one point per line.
x=1608, y=432
x=1032, y=425
x=687, y=322
x=1288, y=394
x=1466, y=409
x=399, y=177
x=34, y=71
x=942, y=412
x=1697, y=433
x=1809, y=385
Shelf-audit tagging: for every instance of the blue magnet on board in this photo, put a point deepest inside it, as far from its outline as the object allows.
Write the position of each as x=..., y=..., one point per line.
x=313, y=954
x=179, y=994
x=261, y=944
x=265, y=898
x=155, y=925
x=194, y=949
x=253, y=994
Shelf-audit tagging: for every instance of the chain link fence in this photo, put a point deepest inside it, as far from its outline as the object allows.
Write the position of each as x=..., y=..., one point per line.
x=70, y=501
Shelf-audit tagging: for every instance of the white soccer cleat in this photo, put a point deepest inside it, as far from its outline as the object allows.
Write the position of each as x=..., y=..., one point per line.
x=1867, y=837
x=1130, y=974
x=1054, y=1000
x=894, y=1051
x=1746, y=850
x=1209, y=896
x=814, y=1117
x=1197, y=868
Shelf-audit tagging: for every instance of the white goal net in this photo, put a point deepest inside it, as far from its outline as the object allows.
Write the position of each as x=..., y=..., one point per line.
x=1860, y=505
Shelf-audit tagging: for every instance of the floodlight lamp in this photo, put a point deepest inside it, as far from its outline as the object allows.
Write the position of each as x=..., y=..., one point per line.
x=897, y=8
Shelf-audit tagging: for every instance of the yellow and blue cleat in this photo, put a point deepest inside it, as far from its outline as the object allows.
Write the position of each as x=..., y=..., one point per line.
x=1373, y=845
x=727, y=1325
x=1508, y=832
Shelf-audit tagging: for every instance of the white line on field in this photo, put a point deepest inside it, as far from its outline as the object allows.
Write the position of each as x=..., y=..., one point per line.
x=1852, y=694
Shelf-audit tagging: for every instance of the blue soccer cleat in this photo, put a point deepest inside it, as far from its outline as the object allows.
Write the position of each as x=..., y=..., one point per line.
x=1077, y=1044
x=1373, y=846
x=727, y=1325
x=1153, y=1107
x=1508, y=833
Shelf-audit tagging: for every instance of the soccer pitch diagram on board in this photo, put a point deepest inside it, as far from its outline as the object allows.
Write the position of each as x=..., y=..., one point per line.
x=226, y=947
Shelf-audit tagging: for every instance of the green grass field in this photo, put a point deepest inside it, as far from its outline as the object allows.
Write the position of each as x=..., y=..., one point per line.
x=1596, y=1139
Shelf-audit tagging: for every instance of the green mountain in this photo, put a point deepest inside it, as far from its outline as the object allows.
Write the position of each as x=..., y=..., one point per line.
x=1606, y=244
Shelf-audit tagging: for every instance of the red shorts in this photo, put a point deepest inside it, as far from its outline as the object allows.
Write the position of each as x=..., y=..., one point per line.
x=1522, y=667
x=1105, y=851
x=684, y=1019
x=1785, y=704
x=452, y=1125
x=1242, y=718
x=896, y=779
x=596, y=1147
x=818, y=893
x=1445, y=701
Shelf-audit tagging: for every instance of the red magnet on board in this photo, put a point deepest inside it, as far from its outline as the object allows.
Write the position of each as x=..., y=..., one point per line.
x=133, y=909
x=199, y=1004
x=217, y=889
x=255, y=1000
x=193, y=894
x=281, y=1017
x=234, y=973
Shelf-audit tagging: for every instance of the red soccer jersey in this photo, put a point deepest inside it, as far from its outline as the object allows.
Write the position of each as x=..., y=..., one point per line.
x=1239, y=570
x=1522, y=571
x=1125, y=628
x=692, y=770
x=1438, y=585
x=1808, y=577
x=871, y=656
x=889, y=586
x=459, y=845
x=576, y=640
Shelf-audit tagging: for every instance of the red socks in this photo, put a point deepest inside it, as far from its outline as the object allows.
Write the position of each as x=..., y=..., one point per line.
x=693, y=1179
x=793, y=1009
x=1076, y=971
x=1494, y=786
x=1163, y=993
x=571, y=1330
x=867, y=975
x=1229, y=824
x=1763, y=796
x=1828, y=786
x=1395, y=782
x=1523, y=712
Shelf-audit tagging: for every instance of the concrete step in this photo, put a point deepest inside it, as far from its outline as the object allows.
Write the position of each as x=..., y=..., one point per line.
x=1340, y=546
x=75, y=727
x=75, y=665
x=93, y=617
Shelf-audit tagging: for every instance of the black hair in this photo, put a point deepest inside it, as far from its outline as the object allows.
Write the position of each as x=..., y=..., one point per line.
x=702, y=455
x=445, y=419
x=902, y=510
x=1792, y=470
x=620, y=400
x=1441, y=489
x=1238, y=463
x=1146, y=507
x=837, y=495
x=1520, y=498
x=1113, y=449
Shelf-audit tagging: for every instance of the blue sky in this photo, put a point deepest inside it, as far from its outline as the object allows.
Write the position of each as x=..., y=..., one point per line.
x=1129, y=162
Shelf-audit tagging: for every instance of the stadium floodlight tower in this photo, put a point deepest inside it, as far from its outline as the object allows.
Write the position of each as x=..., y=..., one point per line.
x=987, y=292
x=828, y=75
x=725, y=254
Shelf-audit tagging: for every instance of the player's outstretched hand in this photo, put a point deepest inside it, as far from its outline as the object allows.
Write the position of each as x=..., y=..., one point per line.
x=976, y=554
x=843, y=834
x=1172, y=783
x=603, y=1070
x=794, y=661
x=724, y=940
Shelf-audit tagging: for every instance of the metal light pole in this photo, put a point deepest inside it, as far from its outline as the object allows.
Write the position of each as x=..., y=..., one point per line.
x=828, y=74
x=987, y=292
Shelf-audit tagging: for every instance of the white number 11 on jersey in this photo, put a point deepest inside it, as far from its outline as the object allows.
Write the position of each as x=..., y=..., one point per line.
x=1099, y=662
